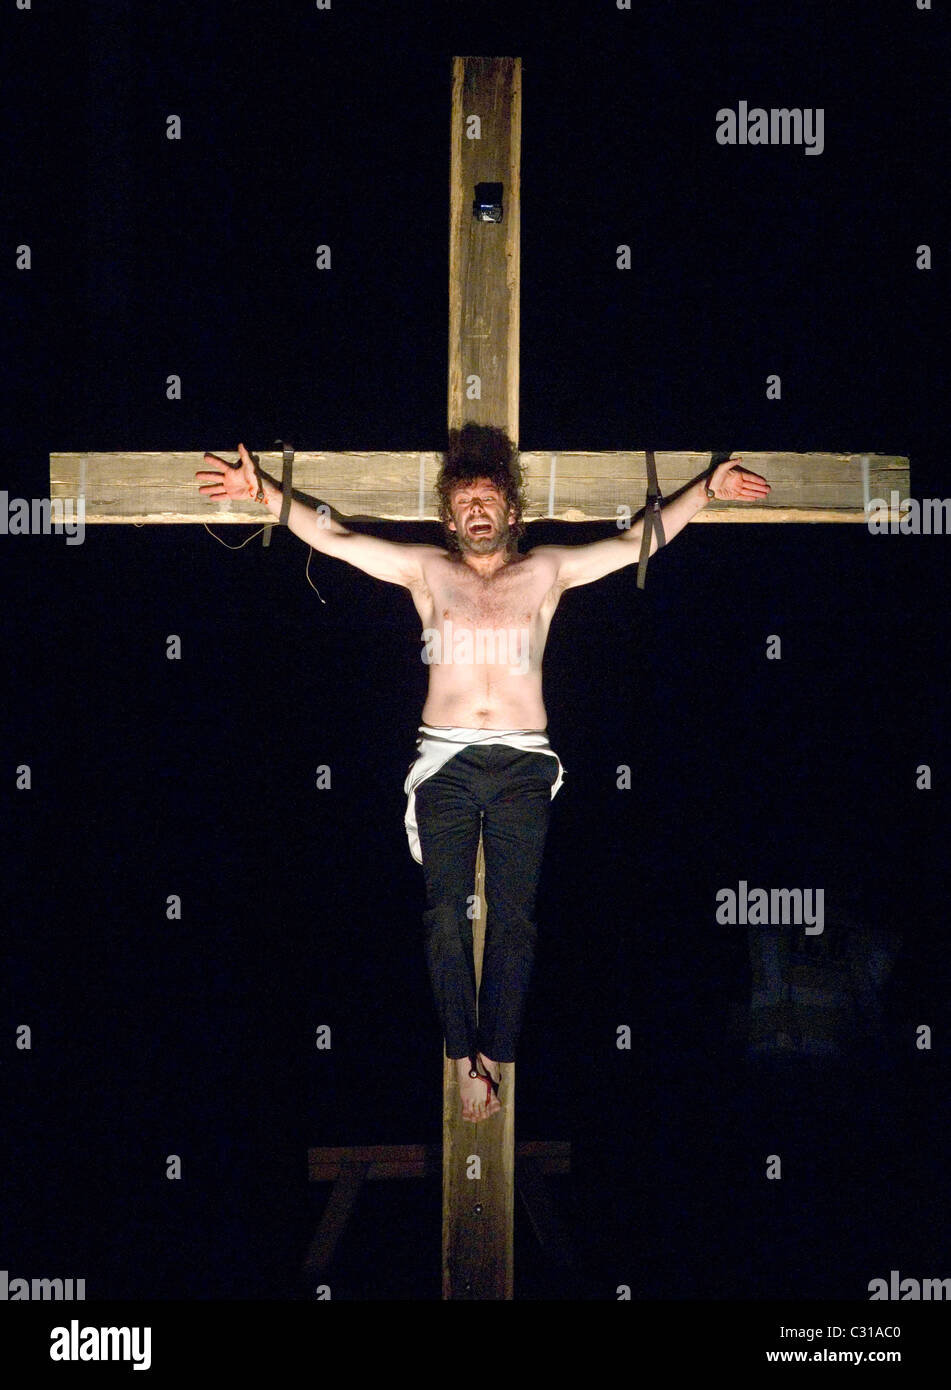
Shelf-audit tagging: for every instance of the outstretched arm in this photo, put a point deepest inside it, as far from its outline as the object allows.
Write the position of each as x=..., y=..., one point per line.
x=583, y=564
x=396, y=562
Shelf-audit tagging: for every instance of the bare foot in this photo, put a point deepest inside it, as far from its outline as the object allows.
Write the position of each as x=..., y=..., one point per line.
x=479, y=1101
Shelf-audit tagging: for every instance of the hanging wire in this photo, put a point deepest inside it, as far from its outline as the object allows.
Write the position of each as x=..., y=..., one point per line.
x=225, y=543
x=310, y=552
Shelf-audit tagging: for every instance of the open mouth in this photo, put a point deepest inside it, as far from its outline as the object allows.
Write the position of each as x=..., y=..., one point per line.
x=480, y=528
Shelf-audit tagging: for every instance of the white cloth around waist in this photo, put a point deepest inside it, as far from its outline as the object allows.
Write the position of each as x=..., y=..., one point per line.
x=438, y=743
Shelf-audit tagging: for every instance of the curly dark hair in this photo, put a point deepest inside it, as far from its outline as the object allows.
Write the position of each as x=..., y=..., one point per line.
x=481, y=451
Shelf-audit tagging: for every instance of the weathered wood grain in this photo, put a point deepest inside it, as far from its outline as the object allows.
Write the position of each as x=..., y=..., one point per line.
x=566, y=485
x=478, y=1214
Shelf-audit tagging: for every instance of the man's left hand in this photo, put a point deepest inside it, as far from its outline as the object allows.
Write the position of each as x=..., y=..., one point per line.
x=730, y=483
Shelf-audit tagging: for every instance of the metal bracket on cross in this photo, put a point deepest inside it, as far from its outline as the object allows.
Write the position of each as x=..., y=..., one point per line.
x=651, y=519
x=487, y=203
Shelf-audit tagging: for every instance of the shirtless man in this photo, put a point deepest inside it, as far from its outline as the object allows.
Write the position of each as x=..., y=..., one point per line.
x=484, y=763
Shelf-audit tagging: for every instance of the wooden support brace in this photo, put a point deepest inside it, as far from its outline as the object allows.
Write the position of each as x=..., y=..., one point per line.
x=343, y=1196
x=390, y=1161
x=349, y=1167
x=530, y=1182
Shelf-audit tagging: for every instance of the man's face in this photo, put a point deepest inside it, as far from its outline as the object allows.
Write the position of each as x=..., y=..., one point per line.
x=480, y=518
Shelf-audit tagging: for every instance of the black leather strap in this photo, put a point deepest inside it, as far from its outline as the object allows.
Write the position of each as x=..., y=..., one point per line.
x=652, y=519
x=287, y=474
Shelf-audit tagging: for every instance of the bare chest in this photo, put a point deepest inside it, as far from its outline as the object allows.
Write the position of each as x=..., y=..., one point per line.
x=511, y=598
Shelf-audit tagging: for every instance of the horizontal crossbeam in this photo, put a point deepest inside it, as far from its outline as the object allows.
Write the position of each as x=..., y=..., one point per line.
x=421, y=1160
x=566, y=485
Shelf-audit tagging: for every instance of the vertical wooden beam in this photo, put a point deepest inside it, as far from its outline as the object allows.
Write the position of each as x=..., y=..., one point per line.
x=484, y=256
x=478, y=1213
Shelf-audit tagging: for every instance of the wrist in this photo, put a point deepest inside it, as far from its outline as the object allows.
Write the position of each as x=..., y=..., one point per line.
x=266, y=491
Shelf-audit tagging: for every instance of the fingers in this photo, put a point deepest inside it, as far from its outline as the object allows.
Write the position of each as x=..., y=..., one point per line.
x=732, y=483
x=745, y=474
x=212, y=484
x=750, y=487
x=216, y=484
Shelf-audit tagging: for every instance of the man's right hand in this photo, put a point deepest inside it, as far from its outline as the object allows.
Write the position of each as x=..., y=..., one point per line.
x=229, y=480
x=395, y=562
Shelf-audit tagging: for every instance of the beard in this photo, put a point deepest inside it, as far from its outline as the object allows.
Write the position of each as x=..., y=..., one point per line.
x=482, y=542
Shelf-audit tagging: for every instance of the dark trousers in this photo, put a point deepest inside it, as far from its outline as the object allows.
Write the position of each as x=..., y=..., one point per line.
x=506, y=793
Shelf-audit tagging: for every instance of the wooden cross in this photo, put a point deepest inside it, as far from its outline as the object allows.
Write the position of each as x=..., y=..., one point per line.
x=572, y=486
